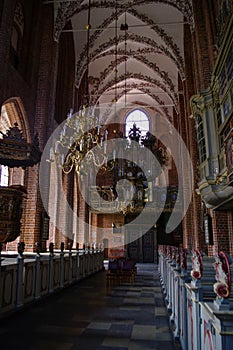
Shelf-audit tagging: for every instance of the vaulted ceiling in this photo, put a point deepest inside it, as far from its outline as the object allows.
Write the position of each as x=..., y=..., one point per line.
x=140, y=65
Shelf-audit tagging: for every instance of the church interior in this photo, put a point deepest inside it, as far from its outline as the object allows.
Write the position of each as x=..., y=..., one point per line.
x=116, y=172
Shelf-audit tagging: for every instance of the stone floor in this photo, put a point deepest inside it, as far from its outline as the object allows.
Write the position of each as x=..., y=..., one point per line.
x=93, y=316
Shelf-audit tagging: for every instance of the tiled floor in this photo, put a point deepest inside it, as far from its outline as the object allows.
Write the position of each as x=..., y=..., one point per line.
x=91, y=316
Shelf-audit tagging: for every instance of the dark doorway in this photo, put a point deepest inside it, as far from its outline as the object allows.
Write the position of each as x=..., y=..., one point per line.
x=148, y=247
x=143, y=248
x=105, y=242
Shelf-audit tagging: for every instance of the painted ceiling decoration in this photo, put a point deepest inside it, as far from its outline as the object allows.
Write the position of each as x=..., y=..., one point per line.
x=170, y=49
x=166, y=81
x=81, y=64
x=161, y=32
x=132, y=90
x=135, y=103
x=96, y=92
x=67, y=9
x=166, y=84
x=142, y=64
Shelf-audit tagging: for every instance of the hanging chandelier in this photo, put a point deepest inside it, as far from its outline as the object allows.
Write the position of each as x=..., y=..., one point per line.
x=82, y=131
x=85, y=136
x=83, y=141
x=131, y=180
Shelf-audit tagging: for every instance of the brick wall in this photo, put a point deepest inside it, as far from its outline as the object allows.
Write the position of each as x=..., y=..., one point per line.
x=203, y=41
x=66, y=77
x=222, y=229
x=44, y=83
x=33, y=82
x=230, y=231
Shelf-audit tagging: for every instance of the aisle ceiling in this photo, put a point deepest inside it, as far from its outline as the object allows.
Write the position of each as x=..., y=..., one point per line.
x=150, y=54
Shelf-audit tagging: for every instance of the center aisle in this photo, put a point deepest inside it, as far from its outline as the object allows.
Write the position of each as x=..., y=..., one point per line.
x=91, y=316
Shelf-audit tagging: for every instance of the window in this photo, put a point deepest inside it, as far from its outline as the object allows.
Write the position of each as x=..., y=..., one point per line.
x=219, y=116
x=201, y=138
x=17, y=35
x=226, y=74
x=221, y=142
x=228, y=142
x=226, y=107
x=231, y=93
x=1, y=10
x=225, y=10
x=4, y=175
x=229, y=65
x=222, y=82
x=139, y=118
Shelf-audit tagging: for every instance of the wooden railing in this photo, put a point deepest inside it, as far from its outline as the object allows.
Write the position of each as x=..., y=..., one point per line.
x=27, y=277
x=199, y=297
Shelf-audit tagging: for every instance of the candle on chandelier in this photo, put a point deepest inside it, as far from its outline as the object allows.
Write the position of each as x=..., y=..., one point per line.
x=106, y=135
x=105, y=147
x=69, y=115
x=64, y=130
x=51, y=153
x=81, y=145
x=56, y=146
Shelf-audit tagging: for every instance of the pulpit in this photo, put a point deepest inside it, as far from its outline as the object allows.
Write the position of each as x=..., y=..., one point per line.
x=15, y=151
x=11, y=203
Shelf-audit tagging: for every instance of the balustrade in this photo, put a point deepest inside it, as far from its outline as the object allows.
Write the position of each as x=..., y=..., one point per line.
x=199, y=296
x=31, y=276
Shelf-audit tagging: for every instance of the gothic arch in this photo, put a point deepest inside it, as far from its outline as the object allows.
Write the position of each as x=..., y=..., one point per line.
x=163, y=110
x=131, y=112
x=150, y=43
x=13, y=111
x=170, y=49
x=67, y=9
x=121, y=78
x=166, y=85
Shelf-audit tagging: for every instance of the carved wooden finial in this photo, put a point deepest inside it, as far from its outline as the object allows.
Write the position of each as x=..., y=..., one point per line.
x=62, y=247
x=51, y=248
x=21, y=247
x=38, y=247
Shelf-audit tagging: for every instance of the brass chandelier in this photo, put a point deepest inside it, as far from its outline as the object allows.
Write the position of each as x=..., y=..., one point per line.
x=82, y=132
x=82, y=141
x=85, y=135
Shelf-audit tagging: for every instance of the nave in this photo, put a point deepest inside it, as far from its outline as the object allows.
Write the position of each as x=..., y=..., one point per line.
x=116, y=142
x=93, y=316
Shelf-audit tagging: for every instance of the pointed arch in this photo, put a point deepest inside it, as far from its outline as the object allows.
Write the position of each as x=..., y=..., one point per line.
x=139, y=76
x=17, y=34
x=150, y=43
x=161, y=108
x=140, y=117
x=12, y=112
x=170, y=49
x=67, y=9
x=166, y=84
